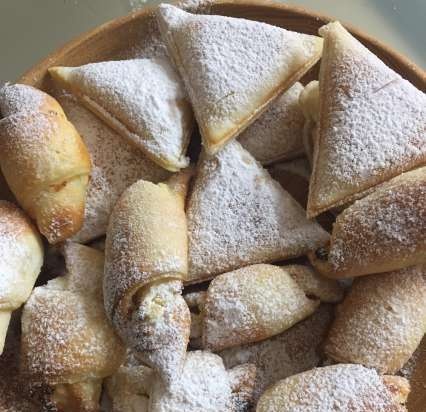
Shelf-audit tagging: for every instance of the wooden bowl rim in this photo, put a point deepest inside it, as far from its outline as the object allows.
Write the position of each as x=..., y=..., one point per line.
x=40, y=67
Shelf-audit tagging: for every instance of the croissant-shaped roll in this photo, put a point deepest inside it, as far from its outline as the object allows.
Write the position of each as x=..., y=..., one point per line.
x=146, y=261
x=43, y=159
x=21, y=257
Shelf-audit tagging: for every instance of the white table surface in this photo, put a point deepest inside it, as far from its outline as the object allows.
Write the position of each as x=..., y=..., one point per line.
x=30, y=29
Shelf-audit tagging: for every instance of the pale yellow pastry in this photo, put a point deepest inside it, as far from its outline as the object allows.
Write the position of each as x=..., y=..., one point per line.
x=381, y=321
x=21, y=258
x=115, y=166
x=142, y=99
x=37, y=140
x=337, y=388
x=205, y=386
x=238, y=215
x=277, y=134
x=233, y=68
x=371, y=123
x=67, y=342
x=252, y=304
x=146, y=261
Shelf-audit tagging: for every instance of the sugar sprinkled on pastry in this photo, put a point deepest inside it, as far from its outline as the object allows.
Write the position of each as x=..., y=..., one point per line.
x=339, y=388
x=372, y=123
x=238, y=215
x=142, y=99
x=233, y=68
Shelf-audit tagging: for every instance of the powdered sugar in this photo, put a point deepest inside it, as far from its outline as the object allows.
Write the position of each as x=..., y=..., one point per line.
x=16, y=98
x=238, y=215
x=277, y=133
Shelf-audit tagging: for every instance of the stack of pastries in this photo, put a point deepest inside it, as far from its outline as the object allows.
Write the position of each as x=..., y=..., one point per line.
x=281, y=267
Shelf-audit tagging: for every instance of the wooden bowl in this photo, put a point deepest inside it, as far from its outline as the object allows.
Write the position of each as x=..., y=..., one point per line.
x=117, y=39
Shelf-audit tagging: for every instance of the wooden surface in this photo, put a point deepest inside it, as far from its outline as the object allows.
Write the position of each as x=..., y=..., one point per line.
x=115, y=39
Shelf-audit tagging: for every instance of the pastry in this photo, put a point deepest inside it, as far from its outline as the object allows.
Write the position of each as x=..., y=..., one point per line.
x=21, y=257
x=384, y=231
x=238, y=215
x=371, y=123
x=37, y=139
x=381, y=321
x=205, y=386
x=251, y=304
x=67, y=342
x=142, y=99
x=115, y=166
x=146, y=261
x=293, y=351
x=277, y=134
x=233, y=68
x=339, y=388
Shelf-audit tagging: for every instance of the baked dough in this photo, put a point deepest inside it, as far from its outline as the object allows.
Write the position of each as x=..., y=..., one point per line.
x=146, y=261
x=238, y=215
x=251, y=304
x=142, y=99
x=67, y=341
x=381, y=321
x=233, y=68
x=371, y=123
x=53, y=163
x=21, y=257
x=277, y=135
x=338, y=388
x=205, y=386
x=115, y=166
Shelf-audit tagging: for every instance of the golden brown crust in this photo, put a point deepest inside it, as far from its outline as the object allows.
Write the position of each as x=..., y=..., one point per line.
x=52, y=159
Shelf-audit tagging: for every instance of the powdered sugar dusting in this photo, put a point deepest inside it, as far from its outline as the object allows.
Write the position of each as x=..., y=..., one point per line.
x=277, y=133
x=238, y=215
x=16, y=98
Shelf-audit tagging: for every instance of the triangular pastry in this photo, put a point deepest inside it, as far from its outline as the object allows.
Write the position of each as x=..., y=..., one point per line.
x=233, y=68
x=277, y=134
x=142, y=99
x=372, y=123
x=115, y=166
x=238, y=215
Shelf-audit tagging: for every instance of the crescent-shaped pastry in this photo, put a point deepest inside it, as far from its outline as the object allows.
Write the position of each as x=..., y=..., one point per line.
x=146, y=261
x=384, y=231
x=21, y=257
x=238, y=215
x=67, y=342
x=53, y=163
x=293, y=351
x=339, y=388
x=233, y=68
x=277, y=134
x=205, y=386
x=372, y=123
x=381, y=321
x=251, y=304
x=115, y=166
x=142, y=99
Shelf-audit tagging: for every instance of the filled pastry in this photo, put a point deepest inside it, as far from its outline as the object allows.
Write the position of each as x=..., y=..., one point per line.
x=371, y=123
x=142, y=99
x=293, y=351
x=37, y=139
x=115, y=166
x=381, y=321
x=67, y=342
x=277, y=134
x=233, y=68
x=205, y=386
x=238, y=215
x=21, y=258
x=251, y=304
x=146, y=261
x=339, y=388
x=384, y=231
